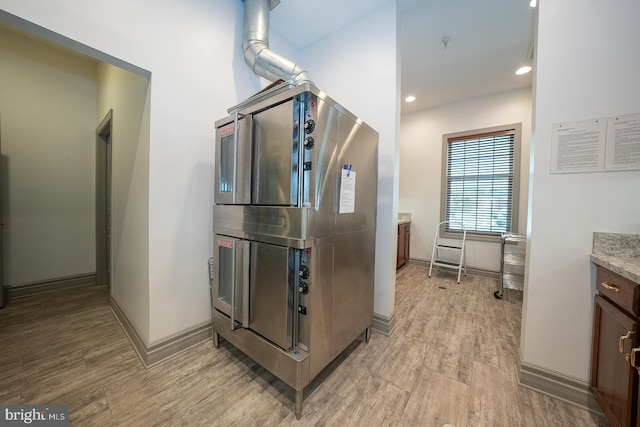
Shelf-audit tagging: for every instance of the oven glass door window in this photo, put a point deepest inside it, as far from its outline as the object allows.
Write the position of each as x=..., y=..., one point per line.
x=226, y=164
x=231, y=279
x=225, y=271
x=233, y=163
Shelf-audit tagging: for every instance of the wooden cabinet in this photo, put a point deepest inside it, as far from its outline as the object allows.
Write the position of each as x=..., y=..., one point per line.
x=616, y=348
x=402, y=254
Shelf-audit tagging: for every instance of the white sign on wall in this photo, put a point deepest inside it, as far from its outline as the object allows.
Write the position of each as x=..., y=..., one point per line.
x=606, y=144
x=578, y=146
x=623, y=143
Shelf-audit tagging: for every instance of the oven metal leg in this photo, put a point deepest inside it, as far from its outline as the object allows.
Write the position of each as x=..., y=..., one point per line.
x=299, y=396
x=367, y=334
x=216, y=340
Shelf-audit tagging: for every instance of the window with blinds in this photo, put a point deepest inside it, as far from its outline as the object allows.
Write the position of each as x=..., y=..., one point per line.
x=480, y=181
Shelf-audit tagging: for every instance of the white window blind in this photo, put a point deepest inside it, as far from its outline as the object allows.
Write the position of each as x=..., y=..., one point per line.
x=479, y=183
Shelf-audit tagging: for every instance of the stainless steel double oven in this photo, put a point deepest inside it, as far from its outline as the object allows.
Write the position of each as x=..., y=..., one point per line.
x=294, y=231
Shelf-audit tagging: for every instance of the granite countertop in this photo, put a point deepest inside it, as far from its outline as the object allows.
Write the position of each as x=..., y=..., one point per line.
x=404, y=218
x=619, y=253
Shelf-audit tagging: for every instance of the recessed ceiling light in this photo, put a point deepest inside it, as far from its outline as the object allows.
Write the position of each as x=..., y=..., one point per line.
x=523, y=70
x=410, y=98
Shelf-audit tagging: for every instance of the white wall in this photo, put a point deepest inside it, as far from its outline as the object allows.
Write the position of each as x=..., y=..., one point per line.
x=586, y=68
x=48, y=110
x=421, y=165
x=192, y=49
x=128, y=95
x=356, y=65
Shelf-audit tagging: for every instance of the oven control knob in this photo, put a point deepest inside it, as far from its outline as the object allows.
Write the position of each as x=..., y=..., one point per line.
x=303, y=288
x=309, y=126
x=308, y=142
x=304, y=272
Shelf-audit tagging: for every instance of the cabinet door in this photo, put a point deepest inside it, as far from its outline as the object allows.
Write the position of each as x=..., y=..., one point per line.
x=613, y=381
x=400, y=255
x=638, y=406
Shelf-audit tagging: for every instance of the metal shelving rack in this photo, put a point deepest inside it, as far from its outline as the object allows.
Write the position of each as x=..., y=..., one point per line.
x=512, y=263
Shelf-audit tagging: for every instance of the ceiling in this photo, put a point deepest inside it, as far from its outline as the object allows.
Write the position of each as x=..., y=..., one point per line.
x=488, y=40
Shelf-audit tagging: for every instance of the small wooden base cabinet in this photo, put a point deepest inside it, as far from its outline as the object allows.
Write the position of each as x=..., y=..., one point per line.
x=616, y=348
x=403, y=244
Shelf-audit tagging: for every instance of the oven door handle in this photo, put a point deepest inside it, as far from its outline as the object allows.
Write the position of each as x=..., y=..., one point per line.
x=242, y=162
x=246, y=258
x=232, y=312
x=235, y=178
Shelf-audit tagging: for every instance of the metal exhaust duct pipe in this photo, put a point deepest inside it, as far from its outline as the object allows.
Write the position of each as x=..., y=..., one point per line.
x=255, y=44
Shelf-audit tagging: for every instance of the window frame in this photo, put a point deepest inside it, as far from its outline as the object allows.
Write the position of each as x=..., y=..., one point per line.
x=515, y=200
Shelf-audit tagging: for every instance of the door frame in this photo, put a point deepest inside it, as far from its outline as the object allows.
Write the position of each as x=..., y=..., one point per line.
x=1, y=224
x=104, y=142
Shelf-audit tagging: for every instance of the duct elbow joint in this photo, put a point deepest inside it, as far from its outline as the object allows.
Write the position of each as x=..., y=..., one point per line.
x=255, y=45
x=252, y=51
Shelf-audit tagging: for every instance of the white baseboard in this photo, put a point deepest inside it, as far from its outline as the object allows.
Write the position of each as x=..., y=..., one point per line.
x=383, y=324
x=156, y=352
x=555, y=384
x=49, y=285
x=470, y=270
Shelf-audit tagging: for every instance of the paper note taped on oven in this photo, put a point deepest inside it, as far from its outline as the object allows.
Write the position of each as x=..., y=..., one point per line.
x=347, y=191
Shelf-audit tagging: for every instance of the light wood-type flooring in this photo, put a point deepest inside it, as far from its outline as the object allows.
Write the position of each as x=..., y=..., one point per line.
x=450, y=360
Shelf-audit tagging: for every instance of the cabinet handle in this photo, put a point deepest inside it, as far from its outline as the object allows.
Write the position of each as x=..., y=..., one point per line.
x=610, y=287
x=621, y=344
x=634, y=358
